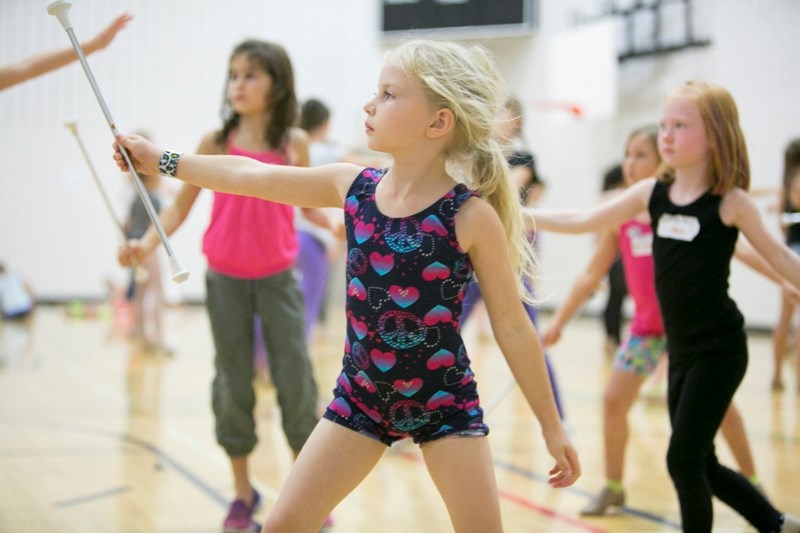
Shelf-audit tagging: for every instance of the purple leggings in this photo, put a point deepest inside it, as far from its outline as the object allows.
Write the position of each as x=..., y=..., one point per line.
x=473, y=296
x=314, y=268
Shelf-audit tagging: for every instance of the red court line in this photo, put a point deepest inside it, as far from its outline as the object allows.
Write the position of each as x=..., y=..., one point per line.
x=549, y=512
x=528, y=504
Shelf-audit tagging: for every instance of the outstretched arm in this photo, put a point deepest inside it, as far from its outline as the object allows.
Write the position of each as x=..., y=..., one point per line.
x=776, y=261
x=324, y=186
x=604, y=255
x=39, y=64
x=609, y=213
x=481, y=235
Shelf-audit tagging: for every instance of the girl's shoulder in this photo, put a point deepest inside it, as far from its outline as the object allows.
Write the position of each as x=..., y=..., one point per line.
x=737, y=206
x=297, y=147
x=298, y=135
x=475, y=216
x=209, y=144
x=297, y=140
x=643, y=189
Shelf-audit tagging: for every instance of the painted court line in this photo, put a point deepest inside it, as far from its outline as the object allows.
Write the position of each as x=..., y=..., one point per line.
x=91, y=497
x=627, y=510
x=526, y=503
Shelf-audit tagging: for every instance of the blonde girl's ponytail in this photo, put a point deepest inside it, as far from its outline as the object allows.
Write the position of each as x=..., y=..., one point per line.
x=465, y=80
x=491, y=179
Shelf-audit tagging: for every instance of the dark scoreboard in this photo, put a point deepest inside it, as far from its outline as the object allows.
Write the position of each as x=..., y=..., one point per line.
x=422, y=15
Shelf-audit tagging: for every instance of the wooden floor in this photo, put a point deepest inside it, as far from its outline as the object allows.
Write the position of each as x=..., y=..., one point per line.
x=97, y=436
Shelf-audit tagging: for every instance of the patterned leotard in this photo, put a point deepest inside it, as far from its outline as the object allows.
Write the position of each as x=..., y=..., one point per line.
x=405, y=369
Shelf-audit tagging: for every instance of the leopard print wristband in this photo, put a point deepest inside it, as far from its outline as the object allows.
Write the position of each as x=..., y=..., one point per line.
x=168, y=164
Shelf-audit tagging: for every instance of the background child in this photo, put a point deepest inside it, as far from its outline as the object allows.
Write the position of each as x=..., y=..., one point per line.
x=698, y=206
x=251, y=248
x=530, y=187
x=17, y=304
x=613, y=314
x=318, y=244
x=789, y=204
x=147, y=293
x=415, y=232
x=645, y=347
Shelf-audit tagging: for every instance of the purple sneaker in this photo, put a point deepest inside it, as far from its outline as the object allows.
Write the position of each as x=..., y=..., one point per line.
x=240, y=516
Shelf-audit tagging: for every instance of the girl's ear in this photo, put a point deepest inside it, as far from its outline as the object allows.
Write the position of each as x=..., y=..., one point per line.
x=443, y=122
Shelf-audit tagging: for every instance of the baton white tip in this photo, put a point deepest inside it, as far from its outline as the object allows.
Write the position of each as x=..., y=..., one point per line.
x=60, y=9
x=179, y=275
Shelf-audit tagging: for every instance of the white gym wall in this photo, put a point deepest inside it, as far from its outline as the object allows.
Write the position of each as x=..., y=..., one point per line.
x=165, y=74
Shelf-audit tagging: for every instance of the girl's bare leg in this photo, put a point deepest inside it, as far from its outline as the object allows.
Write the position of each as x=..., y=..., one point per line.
x=733, y=431
x=333, y=461
x=458, y=462
x=620, y=394
x=780, y=336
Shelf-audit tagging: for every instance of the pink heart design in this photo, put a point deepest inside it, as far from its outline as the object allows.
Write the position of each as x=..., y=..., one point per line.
x=438, y=314
x=364, y=231
x=381, y=263
x=403, y=296
x=340, y=407
x=344, y=383
x=408, y=388
x=442, y=358
x=383, y=360
x=359, y=327
x=372, y=413
x=364, y=382
x=433, y=224
x=356, y=288
x=439, y=399
x=435, y=270
x=351, y=205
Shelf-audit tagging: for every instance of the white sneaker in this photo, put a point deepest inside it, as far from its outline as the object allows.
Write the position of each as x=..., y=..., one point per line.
x=605, y=500
x=791, y=524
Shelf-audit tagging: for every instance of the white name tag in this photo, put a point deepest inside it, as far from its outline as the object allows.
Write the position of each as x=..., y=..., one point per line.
x=678, y=227
x=641, y=242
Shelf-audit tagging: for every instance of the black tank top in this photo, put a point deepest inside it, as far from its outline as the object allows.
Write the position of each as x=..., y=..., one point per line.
x=692, y=250
x=792, y=230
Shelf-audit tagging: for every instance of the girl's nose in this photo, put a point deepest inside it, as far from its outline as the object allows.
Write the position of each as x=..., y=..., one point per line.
x=369, y=106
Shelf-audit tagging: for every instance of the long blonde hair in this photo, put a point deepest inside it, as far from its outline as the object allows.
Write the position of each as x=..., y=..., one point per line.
x=465, y=80
x=729, y=165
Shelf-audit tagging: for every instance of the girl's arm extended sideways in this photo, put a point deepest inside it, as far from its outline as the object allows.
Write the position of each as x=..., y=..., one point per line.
x=323, y=186
x=609, y=213
x=738, y=209
x=480, y=233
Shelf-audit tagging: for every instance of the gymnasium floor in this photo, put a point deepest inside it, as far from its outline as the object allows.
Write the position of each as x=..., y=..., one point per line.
x=97, y=436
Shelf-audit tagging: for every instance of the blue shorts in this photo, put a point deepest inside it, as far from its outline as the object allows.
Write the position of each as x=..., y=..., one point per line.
x=640, y=354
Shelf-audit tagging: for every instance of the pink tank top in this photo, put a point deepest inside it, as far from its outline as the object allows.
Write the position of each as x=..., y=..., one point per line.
x=636, y=248
x=249, y=238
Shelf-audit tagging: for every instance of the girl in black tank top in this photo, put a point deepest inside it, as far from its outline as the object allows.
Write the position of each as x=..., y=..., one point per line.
x=698, y=206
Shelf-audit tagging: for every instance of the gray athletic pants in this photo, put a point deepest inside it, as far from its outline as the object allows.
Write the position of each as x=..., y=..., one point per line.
x=232, y=303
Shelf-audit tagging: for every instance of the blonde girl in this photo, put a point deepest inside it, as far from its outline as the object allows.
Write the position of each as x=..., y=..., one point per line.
x=698, y=204
x=416, y=234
